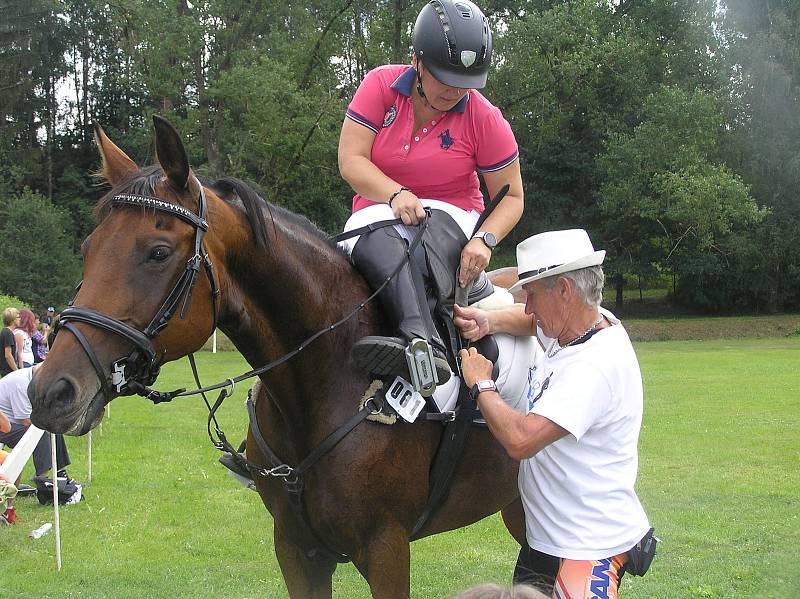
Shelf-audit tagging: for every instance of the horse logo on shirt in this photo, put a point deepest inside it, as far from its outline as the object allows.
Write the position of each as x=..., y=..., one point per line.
x=447, y=141
x=535, y=388
x=390, y=116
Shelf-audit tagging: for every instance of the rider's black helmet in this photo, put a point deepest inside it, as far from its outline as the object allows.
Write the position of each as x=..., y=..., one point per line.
x=452, y=38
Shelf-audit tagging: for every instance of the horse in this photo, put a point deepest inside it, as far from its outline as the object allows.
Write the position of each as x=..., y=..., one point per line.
x=271, y=279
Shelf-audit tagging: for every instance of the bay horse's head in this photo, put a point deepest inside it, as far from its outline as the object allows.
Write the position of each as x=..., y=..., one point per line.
x=148, y=290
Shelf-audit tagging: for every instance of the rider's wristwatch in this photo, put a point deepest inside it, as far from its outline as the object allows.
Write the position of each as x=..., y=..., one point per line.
x=486, y=237
x=481, y=386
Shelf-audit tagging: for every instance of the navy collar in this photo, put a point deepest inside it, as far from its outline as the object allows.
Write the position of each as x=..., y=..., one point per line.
x=404, y=84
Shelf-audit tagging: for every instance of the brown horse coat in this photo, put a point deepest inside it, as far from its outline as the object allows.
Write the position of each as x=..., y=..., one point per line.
x=281, y=280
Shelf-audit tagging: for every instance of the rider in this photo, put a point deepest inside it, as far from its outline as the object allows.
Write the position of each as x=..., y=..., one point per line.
x=418, y=136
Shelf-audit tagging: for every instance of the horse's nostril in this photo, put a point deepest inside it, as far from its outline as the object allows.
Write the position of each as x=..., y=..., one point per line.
x=60, y=394
x=52, y=405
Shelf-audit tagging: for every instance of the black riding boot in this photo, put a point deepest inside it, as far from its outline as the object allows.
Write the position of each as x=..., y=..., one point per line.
x=376, y=256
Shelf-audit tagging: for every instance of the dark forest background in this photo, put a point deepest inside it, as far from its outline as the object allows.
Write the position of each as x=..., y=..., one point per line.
x=669, y=129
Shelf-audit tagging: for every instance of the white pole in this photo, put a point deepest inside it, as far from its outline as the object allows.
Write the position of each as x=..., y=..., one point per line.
x=90, y=457
x=54, y=476
x=214, y=342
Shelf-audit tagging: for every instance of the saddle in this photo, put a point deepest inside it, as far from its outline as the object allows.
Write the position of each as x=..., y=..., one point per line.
x=437, y=260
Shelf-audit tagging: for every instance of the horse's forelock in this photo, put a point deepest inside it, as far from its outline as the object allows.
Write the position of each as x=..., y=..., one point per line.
x=141, y=183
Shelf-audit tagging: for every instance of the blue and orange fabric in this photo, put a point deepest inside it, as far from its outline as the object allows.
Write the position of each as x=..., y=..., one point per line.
x=589, y=579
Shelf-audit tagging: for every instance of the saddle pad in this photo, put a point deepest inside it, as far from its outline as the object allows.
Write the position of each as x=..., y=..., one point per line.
x=516, y=356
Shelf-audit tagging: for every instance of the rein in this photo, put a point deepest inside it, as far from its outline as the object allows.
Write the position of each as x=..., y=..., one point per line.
x=160, y=396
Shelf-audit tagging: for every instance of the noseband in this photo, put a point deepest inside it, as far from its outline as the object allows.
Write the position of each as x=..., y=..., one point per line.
x=130, y=375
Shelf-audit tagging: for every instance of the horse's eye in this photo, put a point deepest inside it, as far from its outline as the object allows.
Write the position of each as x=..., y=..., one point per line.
x=159, y=253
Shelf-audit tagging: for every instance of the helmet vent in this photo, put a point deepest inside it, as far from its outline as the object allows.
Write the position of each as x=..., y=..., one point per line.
x=464, y=10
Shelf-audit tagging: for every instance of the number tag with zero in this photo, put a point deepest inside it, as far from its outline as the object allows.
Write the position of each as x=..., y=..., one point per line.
x=406, y=402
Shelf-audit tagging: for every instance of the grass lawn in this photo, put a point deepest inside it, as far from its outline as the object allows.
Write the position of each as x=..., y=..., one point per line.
x=719, y=477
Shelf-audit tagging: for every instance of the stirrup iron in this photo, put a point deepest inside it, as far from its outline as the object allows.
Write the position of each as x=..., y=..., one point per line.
x=419, y=356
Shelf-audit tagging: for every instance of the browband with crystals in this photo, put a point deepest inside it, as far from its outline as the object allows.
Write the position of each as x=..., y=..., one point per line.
x=179, y=211
x=533, y=273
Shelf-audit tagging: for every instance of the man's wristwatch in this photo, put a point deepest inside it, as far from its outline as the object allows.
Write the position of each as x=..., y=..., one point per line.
x=481, y=386
x=487, y=238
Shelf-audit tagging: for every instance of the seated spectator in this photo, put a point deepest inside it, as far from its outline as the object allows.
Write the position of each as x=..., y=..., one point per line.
x=7, y=488
x=16, y=407
x=8, y=491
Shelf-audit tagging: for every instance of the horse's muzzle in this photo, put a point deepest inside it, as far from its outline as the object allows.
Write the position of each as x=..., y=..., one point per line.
x=57, y=408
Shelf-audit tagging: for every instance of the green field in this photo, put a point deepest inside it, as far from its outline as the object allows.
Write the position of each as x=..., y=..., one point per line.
x=719, y=477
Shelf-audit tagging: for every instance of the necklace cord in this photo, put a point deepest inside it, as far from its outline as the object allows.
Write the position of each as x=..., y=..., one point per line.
x=557, y=347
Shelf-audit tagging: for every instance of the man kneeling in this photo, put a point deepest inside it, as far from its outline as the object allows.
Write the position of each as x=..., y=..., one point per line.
x=578, y=440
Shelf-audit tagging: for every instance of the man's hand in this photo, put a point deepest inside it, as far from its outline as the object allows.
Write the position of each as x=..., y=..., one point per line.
x=474, y=366
x=472, y=322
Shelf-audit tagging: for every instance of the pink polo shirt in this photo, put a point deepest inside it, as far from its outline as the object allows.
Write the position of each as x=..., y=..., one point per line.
x=439, y=161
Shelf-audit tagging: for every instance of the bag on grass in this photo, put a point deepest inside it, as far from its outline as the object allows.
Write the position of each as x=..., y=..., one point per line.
x=69, y=492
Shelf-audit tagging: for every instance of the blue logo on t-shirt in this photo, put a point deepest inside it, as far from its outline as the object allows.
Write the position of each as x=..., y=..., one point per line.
x=535, y=388
x=447, y=141
x=389, y=117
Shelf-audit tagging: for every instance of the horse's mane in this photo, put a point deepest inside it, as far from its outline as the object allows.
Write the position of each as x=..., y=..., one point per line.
x=231, y=190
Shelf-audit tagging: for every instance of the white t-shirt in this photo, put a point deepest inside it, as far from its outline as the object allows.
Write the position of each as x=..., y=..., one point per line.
x=14, y=402
x=578, y=492
x=27, y=346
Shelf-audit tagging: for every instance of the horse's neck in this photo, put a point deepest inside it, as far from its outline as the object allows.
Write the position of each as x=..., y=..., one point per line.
x=281, y=296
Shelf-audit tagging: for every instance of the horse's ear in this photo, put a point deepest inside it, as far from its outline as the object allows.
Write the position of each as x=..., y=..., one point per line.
x=116, y=164
x=170, y=153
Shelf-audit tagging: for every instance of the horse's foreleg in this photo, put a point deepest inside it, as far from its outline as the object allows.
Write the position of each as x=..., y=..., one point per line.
x=305, y=577
x=385, y=562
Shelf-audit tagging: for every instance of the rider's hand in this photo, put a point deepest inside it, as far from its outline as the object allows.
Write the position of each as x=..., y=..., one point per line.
x=474, y=367
x=473, y=323
x=474, y=258
x=407, y=207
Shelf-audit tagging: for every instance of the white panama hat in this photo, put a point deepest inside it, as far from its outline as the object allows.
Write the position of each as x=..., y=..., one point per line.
x=554, y=253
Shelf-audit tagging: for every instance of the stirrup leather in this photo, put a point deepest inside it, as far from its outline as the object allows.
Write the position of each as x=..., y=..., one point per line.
x=421, y=367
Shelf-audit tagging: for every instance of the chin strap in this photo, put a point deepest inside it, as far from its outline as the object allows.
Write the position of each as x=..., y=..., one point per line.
x=422, y=95
x=420, y=91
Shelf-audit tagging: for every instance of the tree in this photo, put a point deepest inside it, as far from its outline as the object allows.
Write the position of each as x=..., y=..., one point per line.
x=36, y=260
x=762, y=55
x=31, y=63
x=667, y=198
x=572, y=74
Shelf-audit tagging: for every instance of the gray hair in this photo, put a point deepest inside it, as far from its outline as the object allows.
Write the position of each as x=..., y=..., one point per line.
x=588, y=281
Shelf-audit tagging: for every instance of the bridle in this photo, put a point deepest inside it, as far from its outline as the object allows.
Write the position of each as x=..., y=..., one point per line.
x=130, y=375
